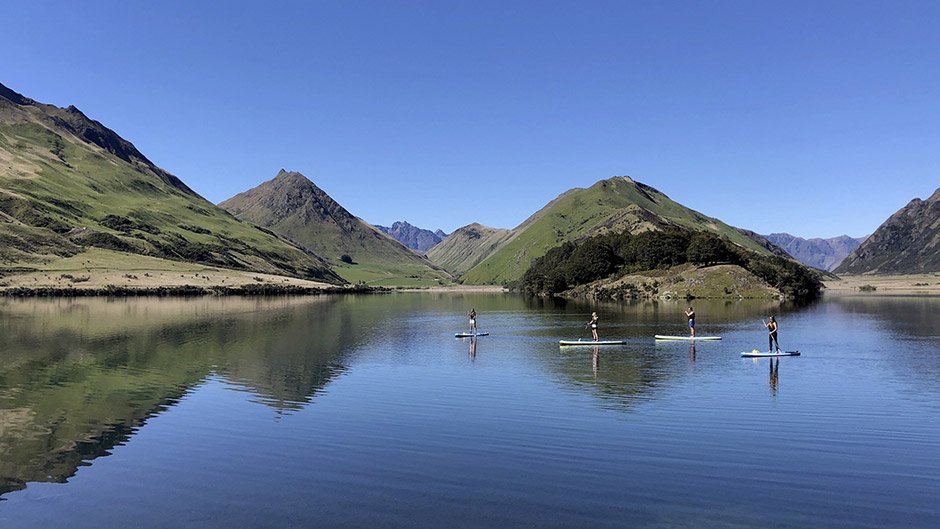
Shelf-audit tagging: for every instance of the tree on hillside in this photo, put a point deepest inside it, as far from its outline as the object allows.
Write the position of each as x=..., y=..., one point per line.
x=593, y=260
x=658, y=249
x=706, y=248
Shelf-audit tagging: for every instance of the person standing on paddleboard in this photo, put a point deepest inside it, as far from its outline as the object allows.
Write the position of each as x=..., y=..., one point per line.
x=772, y=330
x=473, y=320
x=691, y=315
x=593, y=324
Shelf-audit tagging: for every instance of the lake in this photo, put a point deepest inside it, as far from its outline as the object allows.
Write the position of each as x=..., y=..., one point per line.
x=365, y=411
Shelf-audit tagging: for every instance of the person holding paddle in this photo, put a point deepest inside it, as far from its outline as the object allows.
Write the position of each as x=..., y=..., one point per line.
x=772, y=330
x=691, y=315
x=473, y=320
x=593, y=324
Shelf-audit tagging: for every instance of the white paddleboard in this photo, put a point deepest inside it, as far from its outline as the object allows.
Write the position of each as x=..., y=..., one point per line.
x=760, y=354
x=662, y=337
x=470, y=334
x=591, y=342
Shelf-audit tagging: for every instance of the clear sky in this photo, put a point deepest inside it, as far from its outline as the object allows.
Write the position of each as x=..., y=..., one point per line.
x=814, y=118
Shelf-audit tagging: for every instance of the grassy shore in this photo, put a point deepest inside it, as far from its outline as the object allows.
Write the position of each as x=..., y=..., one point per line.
x=105, y=272
x=886, y=285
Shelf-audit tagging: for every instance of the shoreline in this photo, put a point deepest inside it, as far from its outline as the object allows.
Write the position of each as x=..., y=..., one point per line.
x=863, y=286
x=887, y=285
x=481, y=289
x=185, y=291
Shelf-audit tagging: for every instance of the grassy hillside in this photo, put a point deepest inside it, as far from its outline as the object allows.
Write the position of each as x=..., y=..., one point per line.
x=67, y=183
x=613, y=205
x=467, y=247
x=719, y=268
x=295, y=208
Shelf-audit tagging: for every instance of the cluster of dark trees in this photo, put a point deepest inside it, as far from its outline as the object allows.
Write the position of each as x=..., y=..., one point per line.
x=601, y=256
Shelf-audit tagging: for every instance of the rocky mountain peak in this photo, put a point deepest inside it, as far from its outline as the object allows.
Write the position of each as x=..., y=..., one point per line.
x=907, y=243
x=418, y=239
x=289, y=194
x=825, y=254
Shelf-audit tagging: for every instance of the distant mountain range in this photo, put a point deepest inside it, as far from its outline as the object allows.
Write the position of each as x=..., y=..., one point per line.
x=485, y=255
x=418, y=239
x=907, y=243
x=70, y=185
x=295, y=208
x=825, y=254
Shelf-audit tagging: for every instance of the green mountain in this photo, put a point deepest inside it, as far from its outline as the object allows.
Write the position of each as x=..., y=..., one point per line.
x=294, y=207
x=907, y=243
x=466, y=247
x=617, y=204
x=69, y=184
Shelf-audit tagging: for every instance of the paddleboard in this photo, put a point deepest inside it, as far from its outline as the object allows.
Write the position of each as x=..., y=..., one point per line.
x=590, y=342
x=661, y=337
x=470, y=334
x=760, y=354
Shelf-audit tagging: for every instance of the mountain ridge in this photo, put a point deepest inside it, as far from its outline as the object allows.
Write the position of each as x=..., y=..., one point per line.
x=69, y=183
x=908, y=242
x=291, y=205
x=466, y=247
x=822, y=253
x=614, y=204
x=418, y=239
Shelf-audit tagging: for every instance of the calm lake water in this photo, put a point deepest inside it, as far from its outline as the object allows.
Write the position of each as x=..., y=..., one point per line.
x=366, y=412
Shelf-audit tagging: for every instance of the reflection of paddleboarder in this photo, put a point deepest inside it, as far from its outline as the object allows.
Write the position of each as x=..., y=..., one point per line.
x=593, y=324
x=691, y=315
x=774, y=376
x=473, y=349
x=595, y=360
x=772, y=332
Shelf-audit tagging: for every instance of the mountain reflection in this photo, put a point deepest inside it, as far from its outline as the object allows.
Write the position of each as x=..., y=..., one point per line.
x=78, y=377
x=908, y=316
x=913, y=322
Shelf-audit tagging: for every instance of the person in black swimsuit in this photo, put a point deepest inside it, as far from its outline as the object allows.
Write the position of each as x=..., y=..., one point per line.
x=772, y=330
x=593, y=324
x=473, y=320
x=691, y=315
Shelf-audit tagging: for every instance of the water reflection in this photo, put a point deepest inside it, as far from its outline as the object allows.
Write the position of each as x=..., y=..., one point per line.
x=906, y=315
x=903, y=332
x=595, y=360
x=80, y=376
x=618, y=376
x=774, y=375
x=386, y=420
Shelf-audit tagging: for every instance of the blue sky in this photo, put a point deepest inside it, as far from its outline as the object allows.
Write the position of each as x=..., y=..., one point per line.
x=813, y=118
